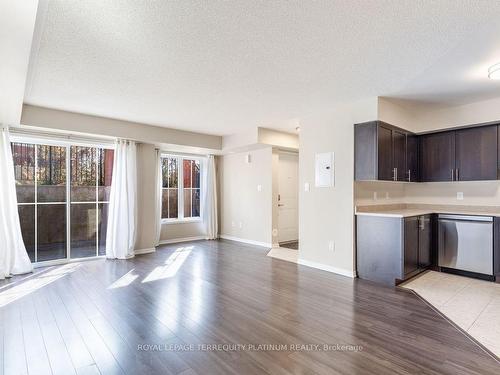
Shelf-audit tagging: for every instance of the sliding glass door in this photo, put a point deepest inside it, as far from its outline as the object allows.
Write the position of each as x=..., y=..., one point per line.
x=63, y=194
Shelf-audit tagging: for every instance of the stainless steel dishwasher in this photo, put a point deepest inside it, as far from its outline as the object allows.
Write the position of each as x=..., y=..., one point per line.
x=466, y=243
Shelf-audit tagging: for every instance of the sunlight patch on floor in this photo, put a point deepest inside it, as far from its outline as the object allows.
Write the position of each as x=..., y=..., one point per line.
x=171, y=266
x=125, y=280
x=34, y=283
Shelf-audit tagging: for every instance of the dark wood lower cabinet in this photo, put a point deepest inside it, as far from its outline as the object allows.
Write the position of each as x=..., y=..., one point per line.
x=391, y=249
x=425, y=241
x=411, y=245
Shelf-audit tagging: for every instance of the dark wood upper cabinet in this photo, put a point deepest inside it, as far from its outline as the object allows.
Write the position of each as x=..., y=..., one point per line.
x=385, y=154
x=399, y=155
x=437, y=157
x=379, y=152
x=412, y=158
x=476, y=153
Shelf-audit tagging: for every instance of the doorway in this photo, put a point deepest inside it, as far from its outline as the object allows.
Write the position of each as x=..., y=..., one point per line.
x=288, y=199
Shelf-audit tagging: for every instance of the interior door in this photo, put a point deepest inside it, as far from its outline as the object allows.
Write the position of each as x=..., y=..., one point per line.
x=437, y=156
x=476, y=154
x=288, y=202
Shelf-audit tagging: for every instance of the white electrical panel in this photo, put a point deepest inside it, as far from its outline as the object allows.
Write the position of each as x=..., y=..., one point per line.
x=325, y=169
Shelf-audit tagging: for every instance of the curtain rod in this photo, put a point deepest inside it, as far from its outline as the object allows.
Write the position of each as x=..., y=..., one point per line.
x=16, y=131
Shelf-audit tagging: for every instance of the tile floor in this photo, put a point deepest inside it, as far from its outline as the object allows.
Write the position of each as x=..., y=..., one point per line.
x=283, y=253
x=473, y=305
x=290, y=245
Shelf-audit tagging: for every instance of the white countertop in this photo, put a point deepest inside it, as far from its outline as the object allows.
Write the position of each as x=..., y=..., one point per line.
x=407, y=212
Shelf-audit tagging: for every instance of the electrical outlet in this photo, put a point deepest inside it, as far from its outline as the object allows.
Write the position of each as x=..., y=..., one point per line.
x=240, y=224
x=259, y=187
x=307, y=186
x=386, y=195
x=460, y=196
x=375, y=197
x=275, y=232
x=331, y=245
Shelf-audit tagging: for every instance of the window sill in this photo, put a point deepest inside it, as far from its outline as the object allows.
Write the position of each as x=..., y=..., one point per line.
x=181, y=221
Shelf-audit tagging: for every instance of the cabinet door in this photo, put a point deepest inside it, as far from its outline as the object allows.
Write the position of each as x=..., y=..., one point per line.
x=424, y=241
x=399, y=155
x=476, y=154
x=385, y=164
x=437, y=157
x=412, y=158
x=410, y=261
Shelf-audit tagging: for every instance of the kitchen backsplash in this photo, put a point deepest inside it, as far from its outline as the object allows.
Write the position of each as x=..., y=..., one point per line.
x=473, y=193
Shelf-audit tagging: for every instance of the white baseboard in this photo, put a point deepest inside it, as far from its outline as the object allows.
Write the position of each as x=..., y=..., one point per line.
x=145, y=251
x=185, y=239
x=324, y=267
x=244, y=240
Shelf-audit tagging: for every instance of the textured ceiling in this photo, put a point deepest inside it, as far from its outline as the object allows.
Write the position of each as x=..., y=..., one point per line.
x=222, y=67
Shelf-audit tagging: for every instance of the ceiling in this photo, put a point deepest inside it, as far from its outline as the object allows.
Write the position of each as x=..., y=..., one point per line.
x=222, y=67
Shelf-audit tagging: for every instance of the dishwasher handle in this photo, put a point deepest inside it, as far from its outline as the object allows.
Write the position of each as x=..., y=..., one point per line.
x=466, y=218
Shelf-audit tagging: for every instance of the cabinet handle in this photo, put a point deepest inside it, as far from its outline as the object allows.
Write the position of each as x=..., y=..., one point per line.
x=456, y=175
x=452, y=176
x=409, y=175
x=394, y=174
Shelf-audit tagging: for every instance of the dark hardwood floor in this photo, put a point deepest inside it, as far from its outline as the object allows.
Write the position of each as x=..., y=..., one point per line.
x=100, y=316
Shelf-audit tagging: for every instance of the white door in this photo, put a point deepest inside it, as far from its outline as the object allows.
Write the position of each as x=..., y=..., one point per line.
x=288, y=198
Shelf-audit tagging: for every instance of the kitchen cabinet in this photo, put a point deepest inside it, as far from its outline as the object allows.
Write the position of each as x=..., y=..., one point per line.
x=385, y=153
x=410, y=258
x=417, y=244
x=425, y=241
x=412, y=158
x=476, y=153
x=437, y=157
x=388, y=153
x=399, y=155
x=380, y=151
x=392, y=249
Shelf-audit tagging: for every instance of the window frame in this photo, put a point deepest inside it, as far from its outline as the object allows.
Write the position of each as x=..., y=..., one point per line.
x=66, y=144
x=180, y=219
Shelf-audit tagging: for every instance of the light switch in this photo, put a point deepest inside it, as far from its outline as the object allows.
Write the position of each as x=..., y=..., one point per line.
x=460, y=196
x=259, y=187
x=307, y=187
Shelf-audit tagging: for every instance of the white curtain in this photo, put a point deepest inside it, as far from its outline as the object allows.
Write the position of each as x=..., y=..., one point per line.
x=158, y=197
x=14, y=259
x=122, y=219
x=210, y=199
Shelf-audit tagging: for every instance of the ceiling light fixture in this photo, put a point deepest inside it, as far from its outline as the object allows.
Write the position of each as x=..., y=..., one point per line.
x=494, y=71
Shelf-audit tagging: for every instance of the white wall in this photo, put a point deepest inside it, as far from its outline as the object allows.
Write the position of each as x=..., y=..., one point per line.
x=327, y=214
x=145, y=196
x=240, y=201
x=75, y=122
x=424, y=117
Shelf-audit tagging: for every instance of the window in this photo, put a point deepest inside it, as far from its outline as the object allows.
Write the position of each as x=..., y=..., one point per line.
x=181, y=189
x=62, y=193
